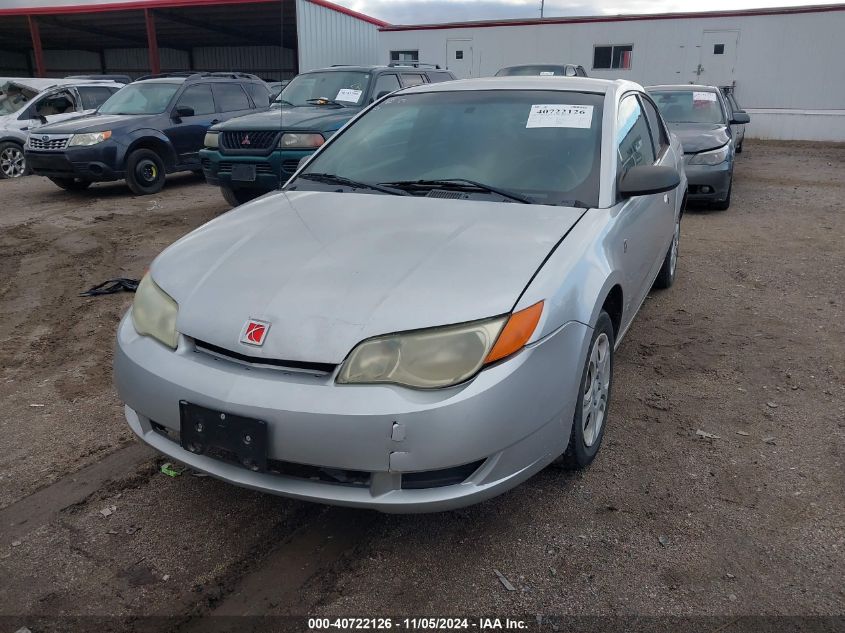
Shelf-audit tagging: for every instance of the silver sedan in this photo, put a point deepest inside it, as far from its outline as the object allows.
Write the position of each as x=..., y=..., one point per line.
x=427, y=313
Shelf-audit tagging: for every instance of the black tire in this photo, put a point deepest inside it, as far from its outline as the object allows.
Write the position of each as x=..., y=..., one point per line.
x=236, y=197
x=71, y=184
x=666, y=276
x=582, y=450
x=726, y=203
x=12, y=161
x=144, y=172
x=739, y=148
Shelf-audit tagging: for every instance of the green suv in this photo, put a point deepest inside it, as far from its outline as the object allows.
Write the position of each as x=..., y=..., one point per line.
x=251, y=155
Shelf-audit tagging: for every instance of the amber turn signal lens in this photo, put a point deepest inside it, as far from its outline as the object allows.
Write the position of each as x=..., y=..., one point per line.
x=515, y=334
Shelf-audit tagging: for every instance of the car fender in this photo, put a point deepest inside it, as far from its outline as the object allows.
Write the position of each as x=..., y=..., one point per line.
x=577, y=276
x=146, y=137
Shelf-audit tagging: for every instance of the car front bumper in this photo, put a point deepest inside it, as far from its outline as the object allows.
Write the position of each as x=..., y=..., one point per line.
x=508, y=423
x=95, y=163
x=710, y=183
x=271, y=171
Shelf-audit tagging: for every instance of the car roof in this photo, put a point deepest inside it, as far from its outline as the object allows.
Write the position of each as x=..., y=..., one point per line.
x=696, y=87
x=564, y=84
x=369, y=69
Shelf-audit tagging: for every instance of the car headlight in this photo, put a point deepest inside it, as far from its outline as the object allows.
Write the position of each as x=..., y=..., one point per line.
x=713, y=157
x=154, y=312
x=89, y=139
x=439, y=357
x=301, y=141
x=212, y=140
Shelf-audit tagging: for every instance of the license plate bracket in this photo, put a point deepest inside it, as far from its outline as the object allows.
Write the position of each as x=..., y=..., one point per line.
x=223, y=435
x=243, y=173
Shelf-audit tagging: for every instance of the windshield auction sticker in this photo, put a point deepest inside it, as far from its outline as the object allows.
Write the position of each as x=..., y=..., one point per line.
x=703, y=96
x=560, y=115
x=349, y=95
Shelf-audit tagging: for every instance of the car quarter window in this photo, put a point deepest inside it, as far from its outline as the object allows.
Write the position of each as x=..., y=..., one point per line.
x=260, y=95
x=633, y=142
x=197, y=98
x=386, y=83
x=658, y=131
x=230, y=97
x=94, y=96
x=412, y=79
x=437, y=77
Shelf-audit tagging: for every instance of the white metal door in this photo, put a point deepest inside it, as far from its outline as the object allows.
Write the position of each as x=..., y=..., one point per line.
x=459, y=57
x=718, y=57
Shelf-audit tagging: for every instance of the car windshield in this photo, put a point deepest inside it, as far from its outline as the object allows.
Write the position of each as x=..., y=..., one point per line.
x=541, y=146
x=688, y=106
x=140, y=98
x=13, y=97
x=537, y=70
x=346, y=88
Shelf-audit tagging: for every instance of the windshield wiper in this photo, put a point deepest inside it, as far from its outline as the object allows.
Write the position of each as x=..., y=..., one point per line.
x=325, y=101
x=333, y=179
x=459, y=183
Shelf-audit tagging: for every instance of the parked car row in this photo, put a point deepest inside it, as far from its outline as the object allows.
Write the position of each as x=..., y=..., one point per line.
x=229, y=126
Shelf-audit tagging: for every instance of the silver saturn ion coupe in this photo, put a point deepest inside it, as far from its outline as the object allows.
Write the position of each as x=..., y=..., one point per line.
x=427, y=313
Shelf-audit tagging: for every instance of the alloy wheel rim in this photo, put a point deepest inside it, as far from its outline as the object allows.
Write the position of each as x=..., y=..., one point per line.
x=12, y=162
x=596, y=390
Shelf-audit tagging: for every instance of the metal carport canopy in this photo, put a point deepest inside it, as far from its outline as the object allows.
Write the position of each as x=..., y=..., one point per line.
x=95, y=25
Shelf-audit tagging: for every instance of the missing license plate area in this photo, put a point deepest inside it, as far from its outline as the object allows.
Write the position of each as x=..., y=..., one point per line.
x=223, y=436
x=243, y=173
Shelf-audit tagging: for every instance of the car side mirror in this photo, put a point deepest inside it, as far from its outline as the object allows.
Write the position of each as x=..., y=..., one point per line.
x=644, y=180
x=183, y=111
x=302, y=161
x=740, y=117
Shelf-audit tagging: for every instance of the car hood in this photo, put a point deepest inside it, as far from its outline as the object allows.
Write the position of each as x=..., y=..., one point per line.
x=699, y=137
x=94, y=123
x=319, y=118
x=328, y=270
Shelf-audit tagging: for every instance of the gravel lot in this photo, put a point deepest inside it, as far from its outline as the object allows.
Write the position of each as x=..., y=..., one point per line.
x=748, y=346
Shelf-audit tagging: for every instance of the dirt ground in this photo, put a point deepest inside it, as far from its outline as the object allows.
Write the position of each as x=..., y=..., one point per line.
x=748, y=346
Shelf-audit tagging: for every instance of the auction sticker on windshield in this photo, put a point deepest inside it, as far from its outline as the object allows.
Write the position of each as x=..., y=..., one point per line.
x=703, y=96
x=560, y=115
x=348, y=94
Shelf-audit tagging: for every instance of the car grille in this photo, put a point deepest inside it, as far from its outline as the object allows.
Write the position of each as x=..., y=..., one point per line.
x=39, y=143
x=260, y=168
x=214, y=350
x=248, y=140
x=289, y=166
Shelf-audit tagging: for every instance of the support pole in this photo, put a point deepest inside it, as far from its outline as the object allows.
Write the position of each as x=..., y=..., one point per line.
x=152, y=43
x=35, y=35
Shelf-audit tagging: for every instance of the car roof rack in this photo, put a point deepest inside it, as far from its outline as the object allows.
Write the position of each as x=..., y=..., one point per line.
x=194, y=75
x=413, y=65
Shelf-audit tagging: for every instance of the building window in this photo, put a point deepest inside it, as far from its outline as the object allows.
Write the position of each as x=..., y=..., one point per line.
x=404, y=56
x=612, y=57
x=459, y=54
x=718, y=49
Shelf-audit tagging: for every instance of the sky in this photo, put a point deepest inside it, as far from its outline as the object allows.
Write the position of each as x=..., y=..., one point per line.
x=425, y=11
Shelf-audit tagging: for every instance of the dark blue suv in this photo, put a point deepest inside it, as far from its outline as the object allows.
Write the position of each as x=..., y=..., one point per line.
x=147, y=129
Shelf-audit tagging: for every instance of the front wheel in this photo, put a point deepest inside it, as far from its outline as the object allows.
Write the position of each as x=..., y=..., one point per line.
x=236, y=197
x=144, y=172
x=71, y=184
x=593, y=405
x=12, y=161
x=666, y=276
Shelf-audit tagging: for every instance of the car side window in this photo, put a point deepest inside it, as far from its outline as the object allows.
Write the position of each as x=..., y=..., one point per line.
x=94, y=96
x=58, y=103
x=260, y=95
x=386, y=83
x=230, y=97
x=412, y=79
x=438, y=77
x=658, y=131
x=633, y=141
x=198, y=98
